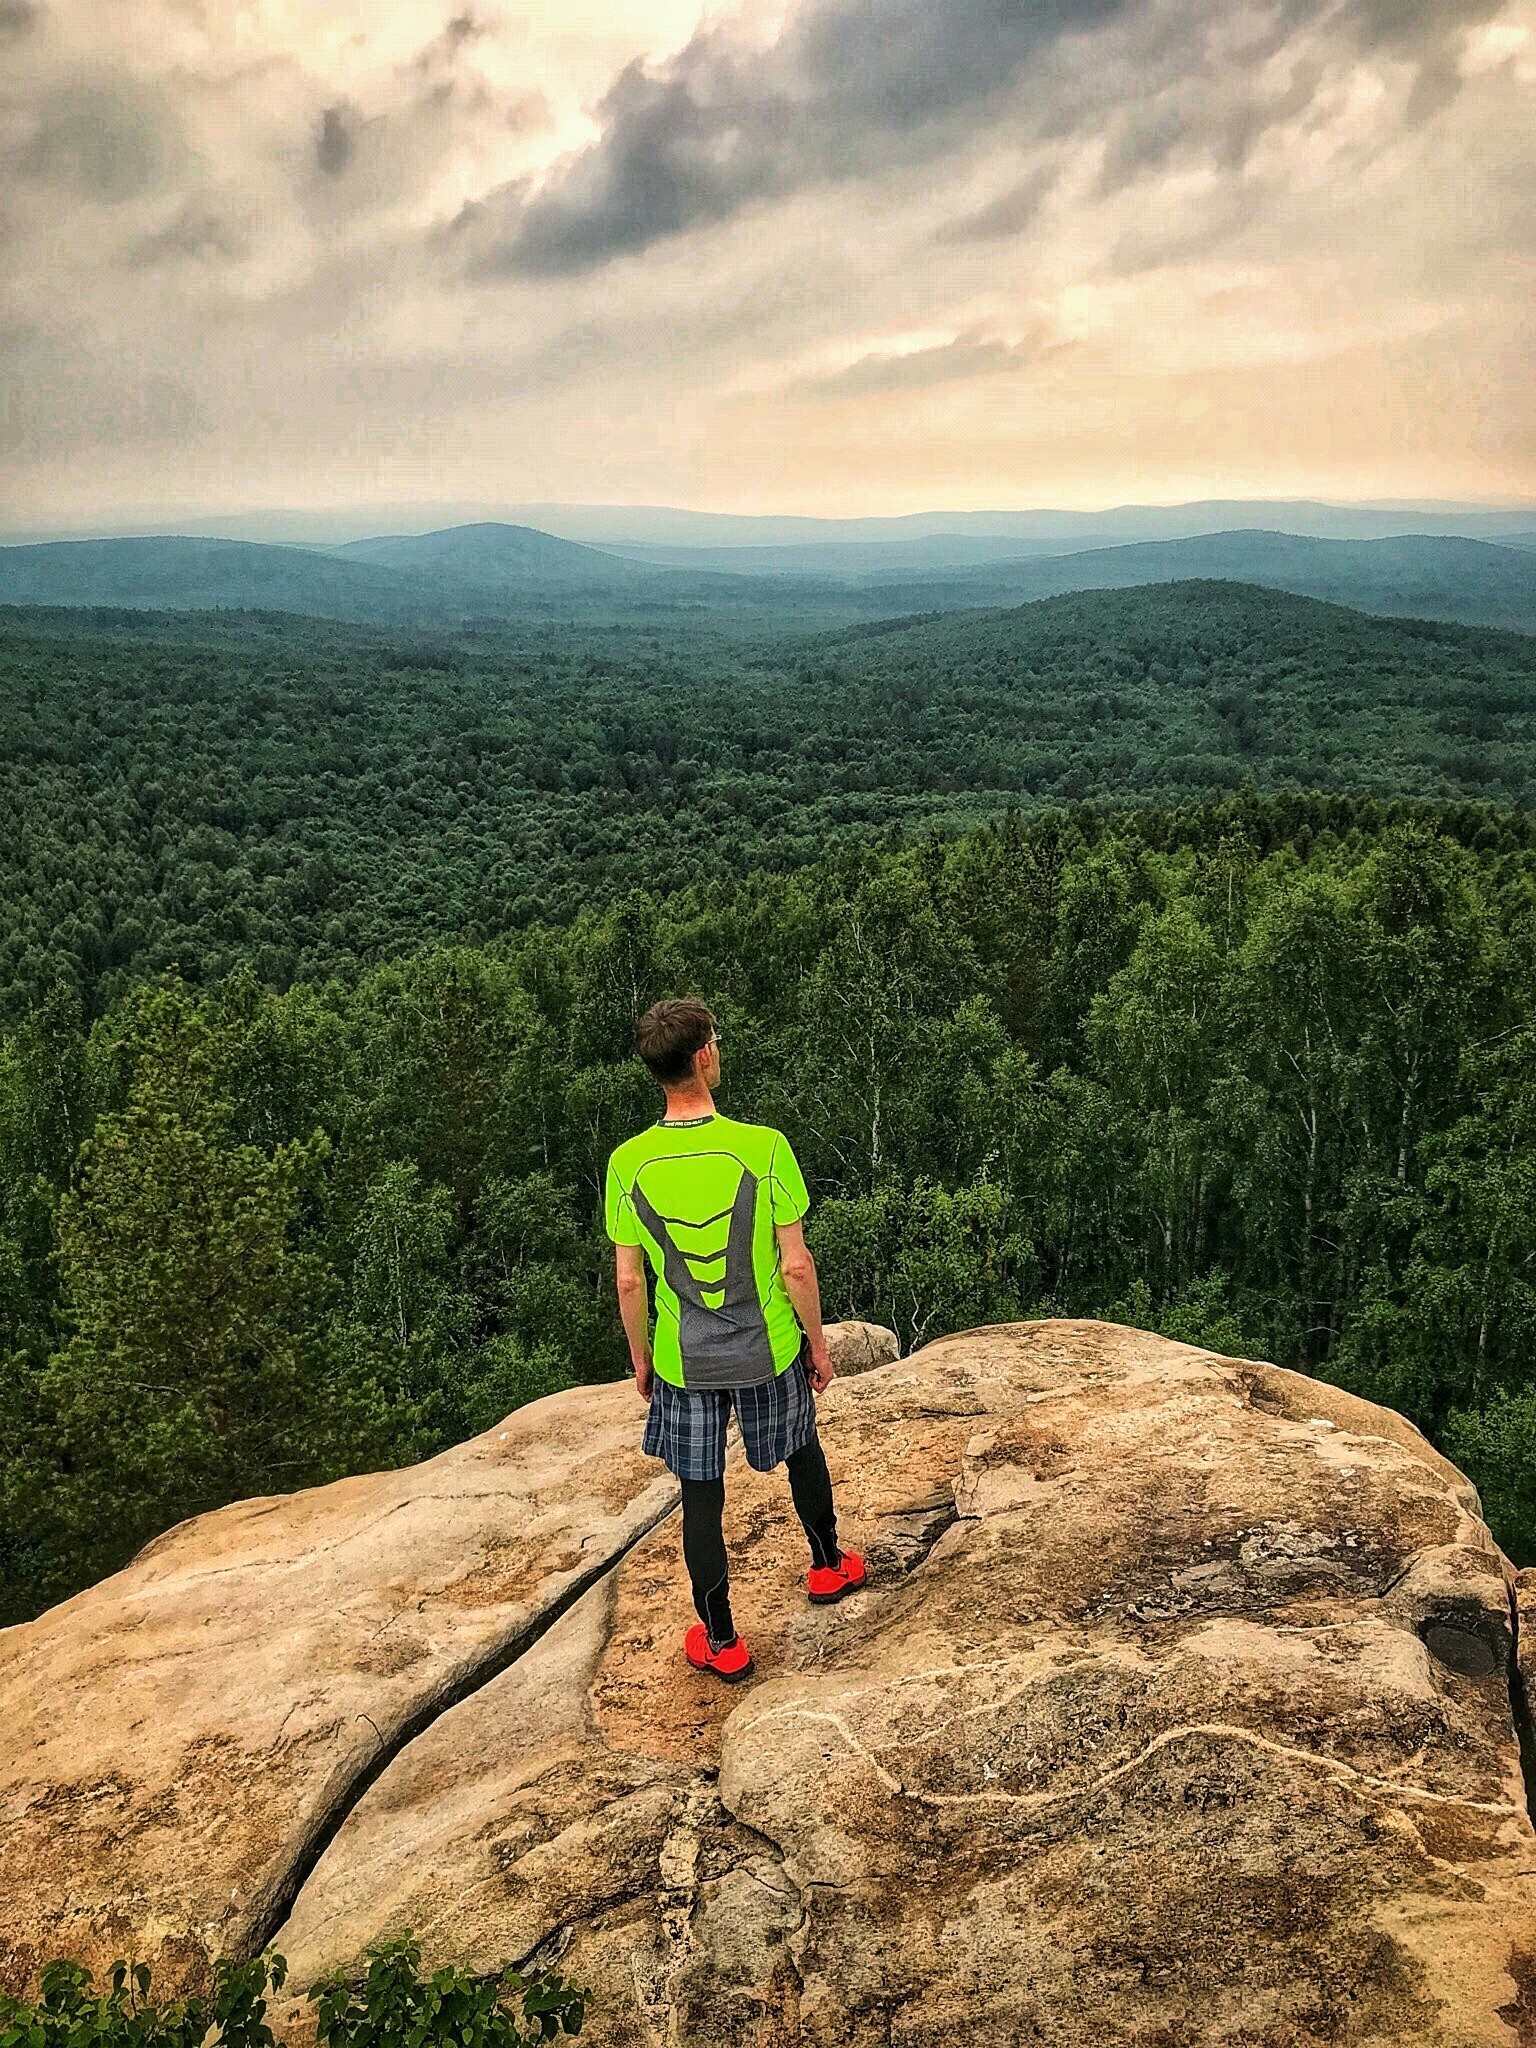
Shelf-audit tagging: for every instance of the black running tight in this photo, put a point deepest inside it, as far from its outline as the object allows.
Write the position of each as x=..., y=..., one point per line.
x=704, y=1555
x=810, y=1487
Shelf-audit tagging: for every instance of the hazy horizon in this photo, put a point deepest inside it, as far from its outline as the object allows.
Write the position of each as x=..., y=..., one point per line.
x=683, y=526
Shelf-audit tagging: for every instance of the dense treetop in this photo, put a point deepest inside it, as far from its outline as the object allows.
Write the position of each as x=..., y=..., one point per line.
x=306, y=798
x=1261, y=1073
x=322, y=948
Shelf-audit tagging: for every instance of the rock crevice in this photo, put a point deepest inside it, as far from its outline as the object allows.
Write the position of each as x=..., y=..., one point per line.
x=1522, y=1675
x=271, y=1908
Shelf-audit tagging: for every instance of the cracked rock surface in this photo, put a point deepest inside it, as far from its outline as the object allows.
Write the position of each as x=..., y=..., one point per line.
x=1180, y=1710
x=177, y=1743
x=1183, y=1710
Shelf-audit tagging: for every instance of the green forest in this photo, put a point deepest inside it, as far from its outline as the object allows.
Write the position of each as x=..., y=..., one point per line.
x=322, y=955
x=216, y=791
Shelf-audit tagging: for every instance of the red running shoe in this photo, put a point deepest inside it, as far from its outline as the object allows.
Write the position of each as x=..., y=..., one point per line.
x=828, y=1584
x=732, y=1663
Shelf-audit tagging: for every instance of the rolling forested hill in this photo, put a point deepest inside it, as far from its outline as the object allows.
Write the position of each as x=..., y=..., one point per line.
x=1429, y=576
x=1187, y=684
x=195, y=574
x=498, y=573
x=304, y=797
x=495, y=556
x=1421, y=575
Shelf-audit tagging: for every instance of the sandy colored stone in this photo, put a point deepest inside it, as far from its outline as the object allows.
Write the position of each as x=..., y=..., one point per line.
x=1177, y=1714
x=860, y=1347
x=176, y=1742
x=1180, y=1712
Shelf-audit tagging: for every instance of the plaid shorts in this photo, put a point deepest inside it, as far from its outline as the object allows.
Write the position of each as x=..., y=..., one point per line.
x=686, y=1425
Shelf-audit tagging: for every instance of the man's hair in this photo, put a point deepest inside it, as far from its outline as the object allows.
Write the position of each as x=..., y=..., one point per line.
x=669, y=1034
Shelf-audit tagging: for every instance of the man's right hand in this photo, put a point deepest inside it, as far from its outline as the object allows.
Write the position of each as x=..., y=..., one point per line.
x=822, y=1369
x=645, y=1378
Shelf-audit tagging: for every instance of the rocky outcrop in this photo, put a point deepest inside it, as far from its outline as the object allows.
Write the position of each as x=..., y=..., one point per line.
x=178, y=1743
x=1178, y=1711
x=860, y=1347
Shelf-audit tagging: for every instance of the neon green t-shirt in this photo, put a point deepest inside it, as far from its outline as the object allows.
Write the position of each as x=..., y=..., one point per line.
x=702, y=1197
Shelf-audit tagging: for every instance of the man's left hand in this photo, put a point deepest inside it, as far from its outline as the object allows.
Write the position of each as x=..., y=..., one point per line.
x=822, y=1370
x=645, y=1379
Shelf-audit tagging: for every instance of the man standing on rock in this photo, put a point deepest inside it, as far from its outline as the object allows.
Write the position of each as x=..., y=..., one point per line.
x=716, y=1207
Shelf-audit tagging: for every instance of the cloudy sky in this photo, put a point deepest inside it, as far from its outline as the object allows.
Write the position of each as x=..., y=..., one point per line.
x=832, y=256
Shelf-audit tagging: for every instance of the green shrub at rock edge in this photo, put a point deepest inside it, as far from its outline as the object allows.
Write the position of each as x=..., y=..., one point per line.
x=394, y=2006
x=71, y=2013
x=391, y=2006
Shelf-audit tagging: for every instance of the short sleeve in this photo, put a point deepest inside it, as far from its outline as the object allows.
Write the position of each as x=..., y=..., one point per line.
x=619, y=1217
x=787, y=1184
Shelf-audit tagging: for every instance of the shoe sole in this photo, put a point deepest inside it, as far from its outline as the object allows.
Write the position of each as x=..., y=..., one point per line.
x=831, y=1599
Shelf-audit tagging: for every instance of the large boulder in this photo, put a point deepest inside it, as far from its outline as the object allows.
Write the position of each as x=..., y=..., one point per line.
x=1181, y=1709
x=178, y=1743
x=1178, y=1711
x=860, y=1347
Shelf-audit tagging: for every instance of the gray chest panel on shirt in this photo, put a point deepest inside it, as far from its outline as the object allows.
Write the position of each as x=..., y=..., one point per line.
x=727, y=1346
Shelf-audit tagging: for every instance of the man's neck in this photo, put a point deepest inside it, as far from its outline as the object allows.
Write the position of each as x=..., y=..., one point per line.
x=687, y=1105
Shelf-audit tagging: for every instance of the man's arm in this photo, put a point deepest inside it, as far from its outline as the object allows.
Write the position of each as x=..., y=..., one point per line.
x=629, y=1265
x=799, y=1270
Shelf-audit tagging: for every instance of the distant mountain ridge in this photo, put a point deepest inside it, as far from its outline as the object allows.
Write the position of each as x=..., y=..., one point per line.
x=494, y=571
x=428, y=578
x=928, y=552
x=491, y=555
x=641, y=529
x=645, y=526
x=1436, y=576
x=195, y=573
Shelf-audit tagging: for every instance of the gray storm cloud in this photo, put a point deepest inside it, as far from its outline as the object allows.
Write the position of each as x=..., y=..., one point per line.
x=96, y=138
x=854, y=86
x=196, y=234
x=1008, y=214
x=334, y=146
x=850, y=86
